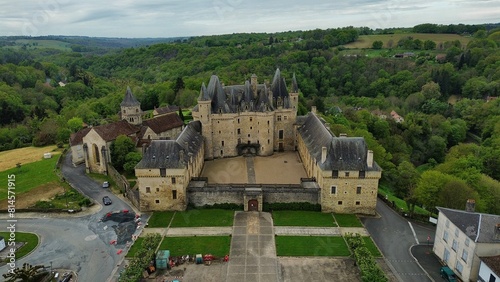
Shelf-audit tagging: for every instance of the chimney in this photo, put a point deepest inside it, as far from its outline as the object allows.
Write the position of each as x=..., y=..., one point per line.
x=369, y=158
x=323, y=154
x=470, y=206
x=313, y=109
x=181, y=156
x=343, y=134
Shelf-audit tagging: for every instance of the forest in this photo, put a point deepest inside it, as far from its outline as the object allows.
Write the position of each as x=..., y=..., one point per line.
x=444, y=152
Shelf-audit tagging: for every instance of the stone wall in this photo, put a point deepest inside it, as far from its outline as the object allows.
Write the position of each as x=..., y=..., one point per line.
x=234, y=194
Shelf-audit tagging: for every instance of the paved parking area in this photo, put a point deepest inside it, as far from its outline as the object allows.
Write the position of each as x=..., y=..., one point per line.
x=253, y=253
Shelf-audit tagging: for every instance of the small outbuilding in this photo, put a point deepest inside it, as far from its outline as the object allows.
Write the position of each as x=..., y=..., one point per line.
x=162, y=259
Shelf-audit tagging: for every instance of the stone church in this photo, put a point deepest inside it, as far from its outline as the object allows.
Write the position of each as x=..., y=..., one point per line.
x=257, y=119
x=91, y=145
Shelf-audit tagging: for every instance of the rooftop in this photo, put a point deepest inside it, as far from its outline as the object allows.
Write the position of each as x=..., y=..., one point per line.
x=480, y=227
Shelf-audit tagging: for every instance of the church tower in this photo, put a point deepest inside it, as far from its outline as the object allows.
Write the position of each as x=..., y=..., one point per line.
x=131, y=108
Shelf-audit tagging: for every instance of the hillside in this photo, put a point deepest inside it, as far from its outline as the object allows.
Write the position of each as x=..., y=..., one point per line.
x=391, y=40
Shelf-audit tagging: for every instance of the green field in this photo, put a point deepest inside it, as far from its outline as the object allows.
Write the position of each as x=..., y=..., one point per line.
x=199, y=218
x=297, y=246
x=347, y=220
x=135, y=247
x=30, y=239
x=30, y=176
x=303, y=218
x=370, y=245
x=179, y=246
x=366, y=41
x=160, y=219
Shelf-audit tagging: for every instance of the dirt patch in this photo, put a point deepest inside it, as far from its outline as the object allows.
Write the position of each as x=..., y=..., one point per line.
x=9, y=159
x=43, y=192
x=319, y=269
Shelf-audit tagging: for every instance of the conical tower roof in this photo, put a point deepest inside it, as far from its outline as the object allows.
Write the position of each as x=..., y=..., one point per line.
x=129, y=100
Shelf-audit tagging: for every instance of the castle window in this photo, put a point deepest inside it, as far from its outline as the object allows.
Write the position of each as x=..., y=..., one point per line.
x=157, y=201
x=174, y=194
x=358, y=190
x=267, y=123
x=339, y=203
x=358, y=203
x=136, y=110
x=219, y=132
x=222, y=142
x=124, y=111
x=157, y=189
x=222, y=151
x=238, y=120
x=285, y=117
x=279, y=118
x=148, y=189
x=250, y=118
x=250, y=128
x=335, y=174
x=362, y=174
x=173, y=180
x=248, y=135
x=163, y=172
x=239, y=131
x=346, y=174
x=280, y=134
x=333, y=190
x=268, y=141
x=248, y=141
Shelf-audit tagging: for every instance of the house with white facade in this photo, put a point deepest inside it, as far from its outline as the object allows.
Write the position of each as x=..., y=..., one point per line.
x=463, y=238
x=489, y=269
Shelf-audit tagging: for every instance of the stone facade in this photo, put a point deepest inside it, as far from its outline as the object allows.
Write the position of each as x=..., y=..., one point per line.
x=260, y=119
x=166, y=169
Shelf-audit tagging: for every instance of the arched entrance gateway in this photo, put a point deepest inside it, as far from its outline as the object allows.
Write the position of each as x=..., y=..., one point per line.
x=252, y=198
x=253, y=205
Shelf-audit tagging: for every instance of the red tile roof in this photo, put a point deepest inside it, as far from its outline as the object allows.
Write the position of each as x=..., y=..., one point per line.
x=110, y=131
x=163, y=123
x=77, y=138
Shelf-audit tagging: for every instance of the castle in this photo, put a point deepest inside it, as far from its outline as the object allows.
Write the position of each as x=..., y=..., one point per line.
x=257, y=119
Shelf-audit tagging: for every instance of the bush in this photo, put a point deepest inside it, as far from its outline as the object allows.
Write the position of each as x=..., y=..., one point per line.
x=370, y=271
x=142, y=259
x=85, y=202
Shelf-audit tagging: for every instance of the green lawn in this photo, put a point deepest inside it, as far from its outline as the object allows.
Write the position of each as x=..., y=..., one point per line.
x=206, y=217
x=370, y=245
x=311, y=246
x=401, y=204
x=303, y=218
x=30, y=176
x=160, y=219
x=215, y=245
x=347, y=220
x=30, y=239
x=135, y=247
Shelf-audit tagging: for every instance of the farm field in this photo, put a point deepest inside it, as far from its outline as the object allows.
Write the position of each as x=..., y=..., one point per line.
x=42, y=43
x=9, y=159
x=366, y=41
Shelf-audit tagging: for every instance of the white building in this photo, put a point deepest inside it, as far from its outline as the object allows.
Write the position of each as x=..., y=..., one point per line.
x=489, y=270
x=463, y=237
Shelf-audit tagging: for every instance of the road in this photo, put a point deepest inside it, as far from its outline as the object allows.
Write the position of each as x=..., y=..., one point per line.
x=394, y=235
x=81, y=243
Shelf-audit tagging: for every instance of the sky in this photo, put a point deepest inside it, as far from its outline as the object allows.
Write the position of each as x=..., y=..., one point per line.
x=174, y=18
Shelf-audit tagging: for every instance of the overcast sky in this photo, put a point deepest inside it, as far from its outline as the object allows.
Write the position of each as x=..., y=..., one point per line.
x=171, y=18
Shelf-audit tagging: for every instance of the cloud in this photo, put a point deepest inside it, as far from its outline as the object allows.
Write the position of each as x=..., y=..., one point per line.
x=166, y=18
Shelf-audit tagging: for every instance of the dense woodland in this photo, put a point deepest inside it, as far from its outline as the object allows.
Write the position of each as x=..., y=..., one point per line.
x=446, y=151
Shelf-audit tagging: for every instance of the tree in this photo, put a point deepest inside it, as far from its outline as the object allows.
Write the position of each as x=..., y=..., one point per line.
x=119, y=150
x=179, y=84
x=428, y=187
x=131, y=160
x=455, y=193
x=405, y=184
x=377, y=44
x=429, y=45
x=75, y=124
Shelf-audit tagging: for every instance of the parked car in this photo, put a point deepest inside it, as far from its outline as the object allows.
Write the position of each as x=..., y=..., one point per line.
x=448, y=274
x=105, y=184
x=106, y=200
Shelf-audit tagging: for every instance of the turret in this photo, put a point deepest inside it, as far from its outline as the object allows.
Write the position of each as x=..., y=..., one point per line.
x=131, y=108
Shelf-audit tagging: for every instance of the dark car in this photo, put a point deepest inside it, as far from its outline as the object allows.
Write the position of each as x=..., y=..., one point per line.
x=105, y=184
x=448, y=274
x=106, y=200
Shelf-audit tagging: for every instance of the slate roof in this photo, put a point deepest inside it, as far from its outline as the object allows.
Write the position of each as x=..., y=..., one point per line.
x=129, y=100
x=110, y=131
x=167, y=153
x=343, y=153
x=166, y=110
x=162, y=123
x=493, y=263
x=235, y=98
x=77, y=138
x=479, y=227
x=295, y=86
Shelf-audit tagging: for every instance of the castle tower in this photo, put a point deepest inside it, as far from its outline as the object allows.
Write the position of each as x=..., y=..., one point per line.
x=294, y=94
x=131, y=108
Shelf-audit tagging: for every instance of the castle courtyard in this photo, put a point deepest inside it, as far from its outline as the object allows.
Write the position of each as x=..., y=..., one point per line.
x=279, y=168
